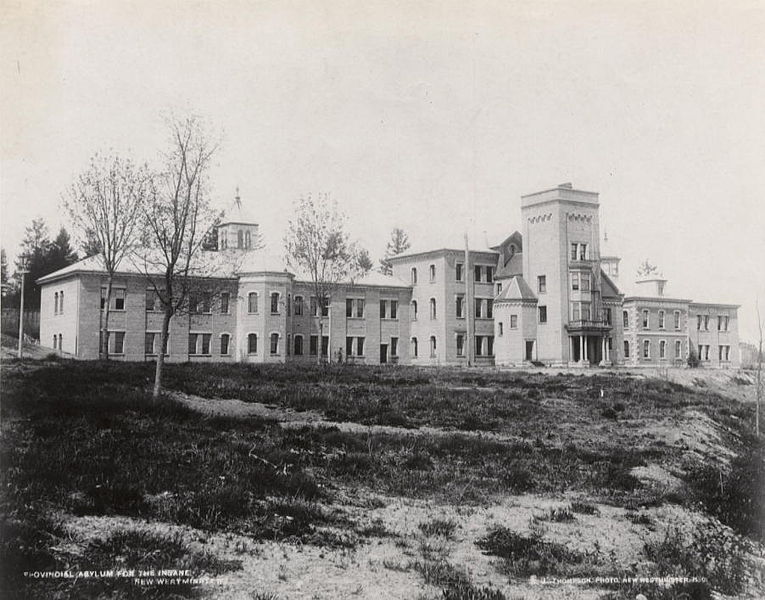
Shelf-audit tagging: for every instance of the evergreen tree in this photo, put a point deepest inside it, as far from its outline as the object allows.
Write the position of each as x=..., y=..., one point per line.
x=398, y=244
x=5, y=284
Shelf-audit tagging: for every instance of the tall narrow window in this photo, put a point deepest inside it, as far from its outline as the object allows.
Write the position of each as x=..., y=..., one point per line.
x=394, y=346
x=646, y=349
x=574, y=250
x=61, y=302
x=119, y=342
x=489, y=308
x=478, y=308
x=298, y=345
x=274, y=343
x=432, y=346
x=489, y=274
x=414, y=347
x=582, y=251
x=324, y=345
x=383, y=308
x=575, y=281
x=289, y=305
x=646, y=319
x=55, y=303
x=224, y=300
x=501, y=328
x=349, y=346
x=459, y=306
x=348, y=308
x=193, y=343
x=247, y=239
x=677, y=319
x=239, y=239
x=543, y=314
x=298, y=306
x=479, y=345
x=414, y=310
x=458, y=271
x=626, y=349
x=360, y=346
x=225, y=340
x=414, y=275
x=477, y=273
x=661, y=319
x=432, y=272
x=206, y=338
x=513, y=321
x=698, y=322
x=678, y=349
x=313, y=345
x=662, y=349
x=149, y=342
x=314, y=306
x=252, y=302
x=360, y=307
x=625, y=319
x=489, y=345
x=252, y=343
x=706, y=322
x=585, y=282
x=460, y=344
x=274, y=303
x=542, y=284
x=394, y=309
x=432, y=308
x=119, y=299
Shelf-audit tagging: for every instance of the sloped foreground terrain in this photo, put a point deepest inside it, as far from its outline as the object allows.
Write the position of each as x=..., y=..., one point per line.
x=351, y=482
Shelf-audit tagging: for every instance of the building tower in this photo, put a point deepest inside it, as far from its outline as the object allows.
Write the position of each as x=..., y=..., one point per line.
x=561, y=263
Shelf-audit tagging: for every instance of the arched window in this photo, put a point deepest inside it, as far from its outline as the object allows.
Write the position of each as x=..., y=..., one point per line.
x=60, y=342
x=432, y=346
x=432, y=272
x=274, y=303
x=626, y=349
x=414, y=275
x=298, y=345
x=61, y=302
x=414, y=347
x=432, y=308
x=252, y=302
x=225, y=341
x=678, y=349
x=646, y=349
x=55, y=342
x=298, y=306
x=252, y=343
x=414, y=310
x=274, y=343
x=662, y=349
x=55, y=304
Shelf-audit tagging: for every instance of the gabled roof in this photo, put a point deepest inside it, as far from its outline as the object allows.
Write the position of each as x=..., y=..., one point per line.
x=608, y=288
x=510, y=259
x=516, y=290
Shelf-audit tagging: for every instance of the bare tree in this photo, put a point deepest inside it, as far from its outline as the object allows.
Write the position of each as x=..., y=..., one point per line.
x=318, y=245
x=176, y=221
x=398, y=244
x=105, y=205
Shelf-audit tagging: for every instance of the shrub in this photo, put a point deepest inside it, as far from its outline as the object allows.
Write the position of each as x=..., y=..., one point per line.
x=441, y=527
x=467, y=591
x=584, y=508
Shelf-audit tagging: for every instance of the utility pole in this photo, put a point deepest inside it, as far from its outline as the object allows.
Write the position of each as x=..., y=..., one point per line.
x=24, y=271
x=759, y=375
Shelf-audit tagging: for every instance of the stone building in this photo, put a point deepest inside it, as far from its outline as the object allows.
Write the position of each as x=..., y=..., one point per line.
x=545, y=295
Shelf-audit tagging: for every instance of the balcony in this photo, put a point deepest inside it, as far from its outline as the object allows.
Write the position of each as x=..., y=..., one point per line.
x=588, y=326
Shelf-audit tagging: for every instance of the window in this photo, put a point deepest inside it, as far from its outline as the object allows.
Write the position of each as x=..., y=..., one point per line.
x=224, y=300
x=458, y=271
x=252, y=302
x=55, y=341
x=706, y=352
x=206, y=339
x=432, y=346
x=349, y=346
x=432, y=272
x=313, y=345
x=726, y=322
x=607, y=315
x=585, y=278
x=247, y=239
x=677, y=319
x=414, y=347
x=55, y=304
x=274, y=303
x=383, y=308
x=489, y=274
x=274, y=344
x=193, y=343
x=543, y=314
x=586, y=311
x=225, y=342
x=724, y=352
x=578, y=251
x=460, y=344
x=479, y=345
x=490, y=345
x=646, y=349
x=626, y=349
x=348, y=308
x=574, y=250
x=575, y=281
x=60, y=342
x=359, y=307
x=118, y=342
x=625, y=319
x=513, y=321
x=414, y=310
x=478, y=308
x=542, y=284
x=394, y=346
x=61, y=302
x=298, y=345
x=314, y=306
x=489, y=308
x=477, y=273
x=661, y=319
x=678, y=349
x=119, y=301
x=324, y=345
x=460, y=306
x=499, y=288
x=646, y=319
x=414, y=275
x=706, y=322
x=583, y=252
x=394, y=309
x=149, y=342
x=298, y=306
x=432, y=308
x=662, y=349
x=501, y=327
x=289, y=305
x=206, y=303
x=252, y=343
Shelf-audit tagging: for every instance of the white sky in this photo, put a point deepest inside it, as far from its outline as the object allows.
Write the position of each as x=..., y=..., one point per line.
x=431, y=116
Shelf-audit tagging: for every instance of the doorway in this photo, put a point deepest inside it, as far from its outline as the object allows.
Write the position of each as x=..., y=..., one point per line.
x=530, y=350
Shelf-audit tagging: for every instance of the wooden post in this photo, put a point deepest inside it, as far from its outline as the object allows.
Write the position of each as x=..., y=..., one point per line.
x=21, y=316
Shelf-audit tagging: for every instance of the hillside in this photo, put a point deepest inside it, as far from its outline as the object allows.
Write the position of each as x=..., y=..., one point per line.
x=345, y=482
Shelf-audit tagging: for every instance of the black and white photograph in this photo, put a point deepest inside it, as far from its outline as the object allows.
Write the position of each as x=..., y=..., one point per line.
x=382, y=299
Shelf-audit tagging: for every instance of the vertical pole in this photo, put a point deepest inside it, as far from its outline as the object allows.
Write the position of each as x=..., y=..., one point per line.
x=468, y=306
x=21, y=317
